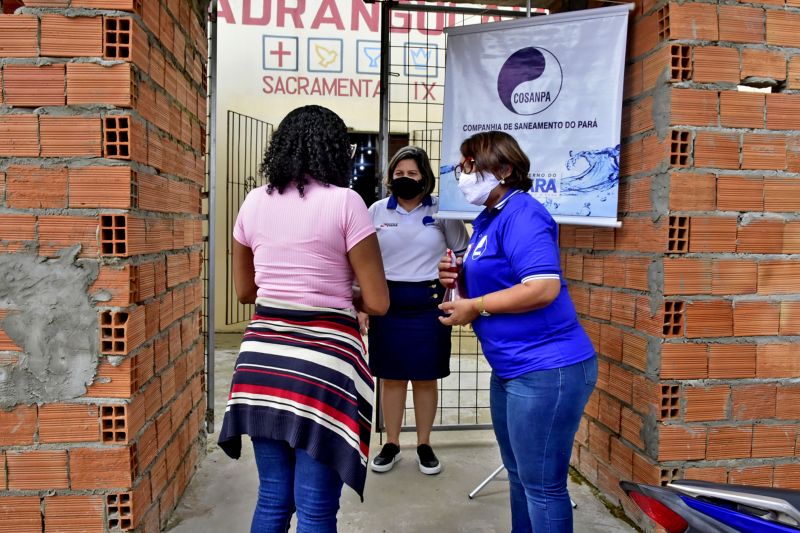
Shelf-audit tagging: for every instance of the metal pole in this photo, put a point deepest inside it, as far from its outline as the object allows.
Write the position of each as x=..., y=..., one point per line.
x=528, y=9
x=212, y=225
x=386, y=60
x=485, y=482
x=383, y=148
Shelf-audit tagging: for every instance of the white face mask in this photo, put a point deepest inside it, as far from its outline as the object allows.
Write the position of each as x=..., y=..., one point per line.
x=477, y=186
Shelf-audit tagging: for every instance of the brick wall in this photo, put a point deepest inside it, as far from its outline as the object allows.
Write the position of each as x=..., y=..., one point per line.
x=102, y=132
x=692, y=303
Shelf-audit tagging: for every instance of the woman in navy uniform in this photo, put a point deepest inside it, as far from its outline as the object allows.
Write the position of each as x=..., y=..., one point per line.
x=409, y=343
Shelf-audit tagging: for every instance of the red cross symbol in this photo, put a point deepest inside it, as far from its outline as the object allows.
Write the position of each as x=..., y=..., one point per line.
x=280, y=52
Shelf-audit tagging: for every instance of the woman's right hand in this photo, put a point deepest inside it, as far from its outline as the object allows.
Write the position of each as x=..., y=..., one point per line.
x=446, y=276
x=363, y=323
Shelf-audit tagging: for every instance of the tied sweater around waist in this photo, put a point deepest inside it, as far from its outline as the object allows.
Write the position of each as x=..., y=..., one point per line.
x=302, y=377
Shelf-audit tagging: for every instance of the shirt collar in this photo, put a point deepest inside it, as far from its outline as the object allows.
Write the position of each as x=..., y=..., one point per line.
x=504, y=200
x=392, y=204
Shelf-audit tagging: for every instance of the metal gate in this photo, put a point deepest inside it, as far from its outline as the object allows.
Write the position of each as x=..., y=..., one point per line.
x=248, y=137
x=417, y=107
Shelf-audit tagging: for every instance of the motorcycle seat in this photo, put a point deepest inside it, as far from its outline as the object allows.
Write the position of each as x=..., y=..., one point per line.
x=790, y=496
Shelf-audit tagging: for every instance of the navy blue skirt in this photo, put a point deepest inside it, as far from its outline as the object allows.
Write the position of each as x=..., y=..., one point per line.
x=409, y=342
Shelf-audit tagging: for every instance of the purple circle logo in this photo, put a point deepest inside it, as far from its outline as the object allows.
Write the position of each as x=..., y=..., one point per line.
x=529, y=81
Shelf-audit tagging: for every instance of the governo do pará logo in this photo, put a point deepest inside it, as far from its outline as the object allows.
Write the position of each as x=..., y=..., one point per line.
x=530, y=80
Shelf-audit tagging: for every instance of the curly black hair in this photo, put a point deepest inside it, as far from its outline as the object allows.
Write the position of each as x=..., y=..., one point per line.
x=311, y=141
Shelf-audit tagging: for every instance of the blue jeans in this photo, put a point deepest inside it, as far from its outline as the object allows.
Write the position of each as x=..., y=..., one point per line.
x=289, y=480
x=535, y=418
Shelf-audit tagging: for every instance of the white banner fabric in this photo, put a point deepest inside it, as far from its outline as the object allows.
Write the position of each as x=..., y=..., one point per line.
x=555, y=84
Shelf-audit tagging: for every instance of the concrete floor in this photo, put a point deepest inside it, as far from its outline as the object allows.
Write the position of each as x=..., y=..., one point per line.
x=221, y=496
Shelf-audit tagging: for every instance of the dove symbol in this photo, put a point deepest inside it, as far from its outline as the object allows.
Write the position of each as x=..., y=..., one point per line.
x=326, y=56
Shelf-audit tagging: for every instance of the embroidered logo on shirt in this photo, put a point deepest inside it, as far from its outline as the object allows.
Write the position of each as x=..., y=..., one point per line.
x=480, y=247
x=428, y=221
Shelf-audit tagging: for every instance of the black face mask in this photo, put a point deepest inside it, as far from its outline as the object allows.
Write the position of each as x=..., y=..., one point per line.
x=406, y=188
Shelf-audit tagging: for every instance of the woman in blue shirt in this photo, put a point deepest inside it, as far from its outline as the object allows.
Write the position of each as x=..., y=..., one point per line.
x=543, y=363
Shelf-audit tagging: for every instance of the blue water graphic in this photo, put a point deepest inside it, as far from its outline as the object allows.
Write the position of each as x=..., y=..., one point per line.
x=602, y=174
x=594, y=183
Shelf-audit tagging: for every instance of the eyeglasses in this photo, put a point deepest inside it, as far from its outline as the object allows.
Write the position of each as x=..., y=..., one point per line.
x=467, y=167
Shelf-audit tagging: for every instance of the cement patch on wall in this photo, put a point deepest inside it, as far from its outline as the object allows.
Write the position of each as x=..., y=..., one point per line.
x=50, y=316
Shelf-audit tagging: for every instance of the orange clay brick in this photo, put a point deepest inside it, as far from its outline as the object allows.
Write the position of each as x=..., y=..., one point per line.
x=731, y=361
x=790, y=318
x=714, y=64
x=705, y=404
x=740, y=193
x=68, y=423
x=774, y=440
x=101, y=468
x=781, y=110
x=57, y=233
x=36, y=188
x=18, y=231
x=761, y=236
x=33, y=470
x=754, y=475
x=741, y=109
x=18, y=35
x=763, y=64
x=34, y=86
x=716, y=150
x=687, y=276
x=729, y=442
x=70, y=136
x=782, y=28
x=19, y=136
x=19, y=425
x=712, y=234
x=678, y=443
x=693, y=107
x=763, y=151
x=781, y=195
x=752, y=402
x=684, y=361
x=776, y=361
x=20, y=514
x=693, y=21
x=71, y=36
x=691, y=192
x=108, y=187
x=74, y=513
x=741, y=24
x=778, y=277
x=709, y=319
x=90, y=83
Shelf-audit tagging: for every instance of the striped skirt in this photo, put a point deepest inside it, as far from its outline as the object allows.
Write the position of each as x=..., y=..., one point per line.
x=301, y=377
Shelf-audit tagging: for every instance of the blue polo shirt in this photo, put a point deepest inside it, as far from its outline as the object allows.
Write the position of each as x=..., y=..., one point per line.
x=514, y=242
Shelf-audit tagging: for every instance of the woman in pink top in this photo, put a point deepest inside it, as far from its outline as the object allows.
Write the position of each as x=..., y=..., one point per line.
x=301, y=388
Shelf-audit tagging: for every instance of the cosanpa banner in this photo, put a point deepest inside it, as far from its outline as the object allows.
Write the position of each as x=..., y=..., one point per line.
x=555, y=84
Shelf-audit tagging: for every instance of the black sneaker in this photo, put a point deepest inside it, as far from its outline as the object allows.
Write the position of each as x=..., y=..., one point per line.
x=428, y=463
x=384, y=461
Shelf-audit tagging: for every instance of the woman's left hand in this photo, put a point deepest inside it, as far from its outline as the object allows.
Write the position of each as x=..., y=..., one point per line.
x=459, y=313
